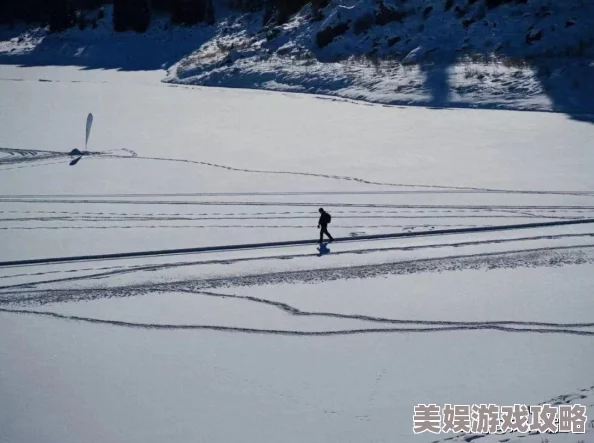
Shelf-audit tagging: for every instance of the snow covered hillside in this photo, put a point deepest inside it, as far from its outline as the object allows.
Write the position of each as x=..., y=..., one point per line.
x=277, y=343
x=533, y=54
x=520, y=54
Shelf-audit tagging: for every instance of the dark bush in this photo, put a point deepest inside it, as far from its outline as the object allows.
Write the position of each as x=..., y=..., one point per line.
x=286, y=8
x=188, y=12
x=89, y=4
x=209, y=16
x=386, y=15
x=250, y=5
x=61, y=15
x=460, y=11
x=162, y=5
x=327, y=35
x=30, y=11
x=268, y=12
x=7, y=13
x=363, y=24
x=467, y=22
x=132, y=15
x=393, y=40
x=491, y=4
x=530, y=38
x=317, y=5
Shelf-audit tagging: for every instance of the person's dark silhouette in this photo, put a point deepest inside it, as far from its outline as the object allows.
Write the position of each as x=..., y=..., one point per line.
x=323, y=225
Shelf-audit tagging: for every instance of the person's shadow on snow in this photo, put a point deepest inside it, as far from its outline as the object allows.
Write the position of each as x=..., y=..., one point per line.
x=324, y=249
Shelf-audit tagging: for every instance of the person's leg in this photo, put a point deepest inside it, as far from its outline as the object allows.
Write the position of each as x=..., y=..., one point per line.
x=321, y=234
x=325, y=231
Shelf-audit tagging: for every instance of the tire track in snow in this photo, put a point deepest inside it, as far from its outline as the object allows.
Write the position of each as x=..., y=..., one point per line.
x=310, y=227
x=374, y=319
x=191, y=214
x=295, y=217
x=17, y=156
x=88, y=216
x=32, y=165
x=291, y=243
x=544, y=257
x=130, y=269
x=288, y=332
x=289, y=193
x=314, y=204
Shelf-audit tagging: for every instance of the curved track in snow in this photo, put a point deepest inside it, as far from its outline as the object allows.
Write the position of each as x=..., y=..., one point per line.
x=300, y=333
x=15, y=156
x=290, y=243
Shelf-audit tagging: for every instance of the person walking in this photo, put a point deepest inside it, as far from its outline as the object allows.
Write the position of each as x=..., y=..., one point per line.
x=325, y=218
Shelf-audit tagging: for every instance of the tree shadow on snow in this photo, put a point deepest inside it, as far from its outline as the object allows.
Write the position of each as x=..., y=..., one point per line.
x=515, y=52
x=127, y=51
x=437, y=81
x=567, y=82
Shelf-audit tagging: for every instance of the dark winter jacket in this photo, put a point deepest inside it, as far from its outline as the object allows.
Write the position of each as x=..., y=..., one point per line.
x=324, y=219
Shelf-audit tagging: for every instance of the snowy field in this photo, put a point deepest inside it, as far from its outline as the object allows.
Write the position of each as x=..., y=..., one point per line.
x=278, y=343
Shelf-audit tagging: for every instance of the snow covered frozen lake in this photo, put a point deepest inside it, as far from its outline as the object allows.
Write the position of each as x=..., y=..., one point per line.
x=279, y=344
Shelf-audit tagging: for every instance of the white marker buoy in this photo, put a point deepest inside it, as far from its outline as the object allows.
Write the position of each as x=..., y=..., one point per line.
x=89, y=125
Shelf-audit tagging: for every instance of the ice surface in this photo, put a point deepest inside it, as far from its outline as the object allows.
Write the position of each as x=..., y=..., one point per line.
x=280, y=344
